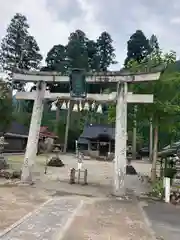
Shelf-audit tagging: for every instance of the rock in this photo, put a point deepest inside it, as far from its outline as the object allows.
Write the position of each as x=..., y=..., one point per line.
x=55, y=162
x=173, y=200
x=130, y=170
x=5, y=174
x=3, y=163
x=10, y=174
x=16, y=174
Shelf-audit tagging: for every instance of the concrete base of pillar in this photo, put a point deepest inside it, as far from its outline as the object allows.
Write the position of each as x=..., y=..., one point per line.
x=26, y=177
x=120, y=193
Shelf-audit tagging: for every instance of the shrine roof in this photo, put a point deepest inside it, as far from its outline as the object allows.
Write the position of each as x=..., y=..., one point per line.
x=93, y=131
x=19, y=130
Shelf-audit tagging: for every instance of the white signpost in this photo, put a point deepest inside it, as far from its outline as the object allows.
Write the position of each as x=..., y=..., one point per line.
x=122, y=97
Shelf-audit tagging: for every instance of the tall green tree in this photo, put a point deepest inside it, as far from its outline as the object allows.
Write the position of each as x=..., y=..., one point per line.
x=154, y=44
x=56, y=59
x=93, y=56
x=166, y=95
x=77, y=54
x=138, y=47
x=31, y=58
x=18, y=48
x=106, y=51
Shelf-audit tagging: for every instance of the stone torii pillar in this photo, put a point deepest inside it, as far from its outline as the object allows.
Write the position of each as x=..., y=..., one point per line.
x=33, y=138
x=120, y=140
x=123, y=97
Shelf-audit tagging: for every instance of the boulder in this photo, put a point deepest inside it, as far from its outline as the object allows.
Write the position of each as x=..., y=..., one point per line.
x=3, y=163
x=10, y=174
x=55, y=162
x=130, y=170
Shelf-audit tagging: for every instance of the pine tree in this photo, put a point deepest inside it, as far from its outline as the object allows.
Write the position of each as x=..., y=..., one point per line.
x=93, y=56
x=138, y=47
x=57, y=59
x=106, y=51
x=18, y=48
x=154, y=45
x=77, y=53
x=32, y=56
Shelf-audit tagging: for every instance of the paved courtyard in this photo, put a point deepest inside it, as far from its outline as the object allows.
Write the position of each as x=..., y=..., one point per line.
x=85, y=212
x=69, y=218
x=45, y=223
x=164, y=218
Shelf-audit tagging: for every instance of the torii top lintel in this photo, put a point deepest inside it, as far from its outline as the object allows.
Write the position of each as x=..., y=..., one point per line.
x=94, y=77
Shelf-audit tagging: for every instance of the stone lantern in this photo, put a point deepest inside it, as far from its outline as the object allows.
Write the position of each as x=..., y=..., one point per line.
x=3, y=161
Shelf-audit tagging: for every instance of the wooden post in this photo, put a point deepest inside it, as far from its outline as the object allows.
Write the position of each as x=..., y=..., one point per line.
x=57, y=113
x=85, y=177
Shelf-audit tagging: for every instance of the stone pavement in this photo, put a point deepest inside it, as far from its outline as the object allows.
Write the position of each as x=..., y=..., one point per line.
x=45, y=223
x=164, y=218
x=109, y=219
x=96, y=216
x=83, y=218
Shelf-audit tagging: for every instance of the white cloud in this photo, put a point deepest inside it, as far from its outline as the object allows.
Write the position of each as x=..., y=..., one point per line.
x=51, y=21
x=124, y=17
x=175, y=20
x=47, y=29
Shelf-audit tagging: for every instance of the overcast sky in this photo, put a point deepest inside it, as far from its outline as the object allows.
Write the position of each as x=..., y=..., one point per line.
x=51, y=21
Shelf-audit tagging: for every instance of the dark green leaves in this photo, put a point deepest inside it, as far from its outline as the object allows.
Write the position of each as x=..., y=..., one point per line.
x=5, y=106
x=18, y=48
x=81, y=52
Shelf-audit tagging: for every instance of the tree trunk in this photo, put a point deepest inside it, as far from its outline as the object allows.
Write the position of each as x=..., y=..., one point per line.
x=67, y=127
x=57, y=114
x=57, y=119
x=155, y=152
x=150, y=139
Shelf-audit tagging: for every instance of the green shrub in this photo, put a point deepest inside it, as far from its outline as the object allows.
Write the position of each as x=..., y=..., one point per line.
x=169, y=172
x=158, y=189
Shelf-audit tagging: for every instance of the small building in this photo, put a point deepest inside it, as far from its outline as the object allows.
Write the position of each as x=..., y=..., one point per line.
x=97, y=140
x=17, y=135
x=16, y=138
x=44, y=132
x=47, y=138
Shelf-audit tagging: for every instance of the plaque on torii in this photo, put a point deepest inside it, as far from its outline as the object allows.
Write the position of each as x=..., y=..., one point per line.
x=121, y=97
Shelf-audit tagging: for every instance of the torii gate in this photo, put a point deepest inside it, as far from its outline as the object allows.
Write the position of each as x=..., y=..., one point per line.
x=121, y=97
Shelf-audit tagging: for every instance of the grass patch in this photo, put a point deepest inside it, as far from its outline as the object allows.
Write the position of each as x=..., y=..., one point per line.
x=16, y=158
